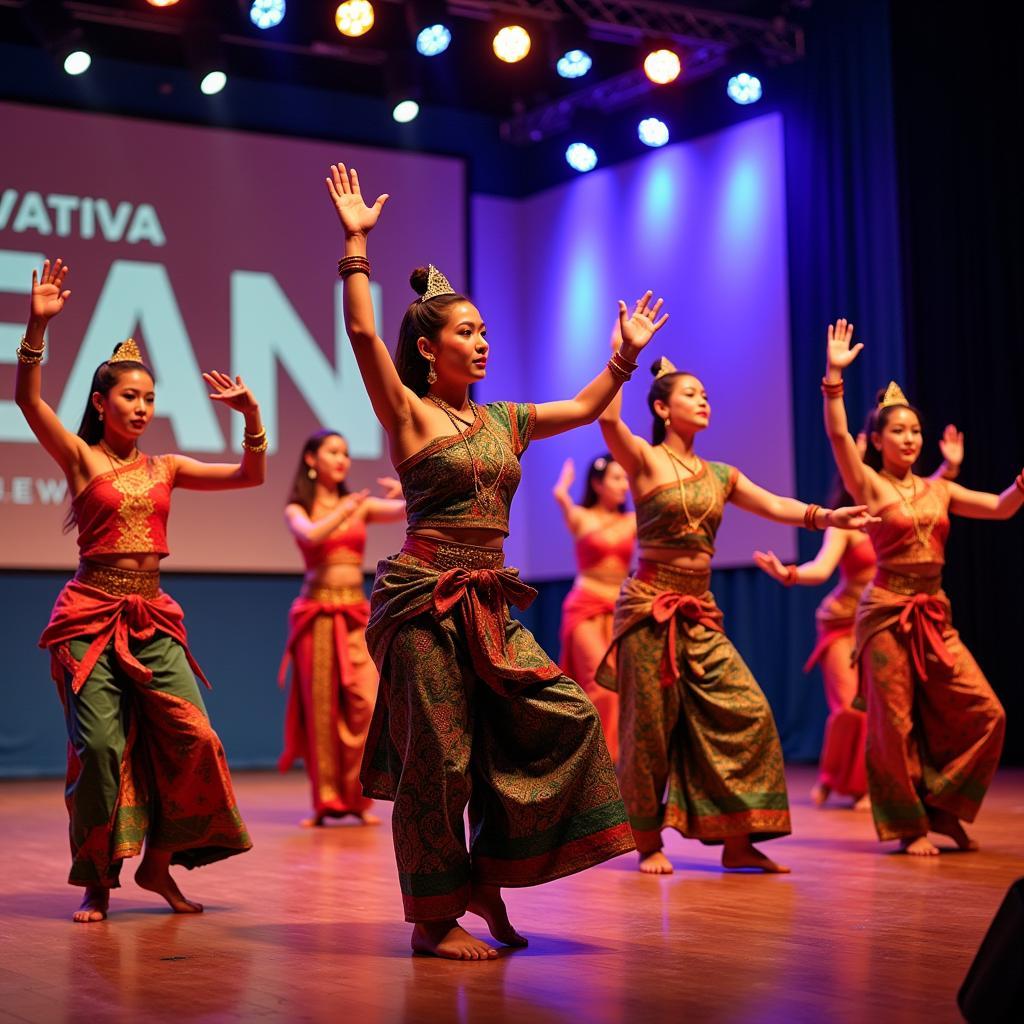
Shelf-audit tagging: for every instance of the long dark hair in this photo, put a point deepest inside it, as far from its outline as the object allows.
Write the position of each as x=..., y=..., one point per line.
x=597, y=472
x=304, y=486
x=876, y=423
x=421, y=320
x=661, y=391
x=106, y=376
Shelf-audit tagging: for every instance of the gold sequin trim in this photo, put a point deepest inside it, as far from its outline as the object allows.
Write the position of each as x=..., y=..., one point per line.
x=899, y=583
x=323, y=693
x=674, y=578
x=119, y=582
x=443, y=555
x=335, y=595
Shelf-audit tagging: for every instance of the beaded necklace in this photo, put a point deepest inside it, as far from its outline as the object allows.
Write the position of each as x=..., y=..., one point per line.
x=692, y=526
x=486, y=496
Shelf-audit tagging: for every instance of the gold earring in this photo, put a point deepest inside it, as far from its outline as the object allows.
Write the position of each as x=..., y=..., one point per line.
x=100, y=411
x=311, y=473
x=431, y=373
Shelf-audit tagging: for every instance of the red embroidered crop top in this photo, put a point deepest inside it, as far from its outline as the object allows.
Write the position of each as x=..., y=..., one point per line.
x=612, y=542
x=468, y=480
x=661, y=517
x=915, y=529
x=124, y=511
x=345, y=546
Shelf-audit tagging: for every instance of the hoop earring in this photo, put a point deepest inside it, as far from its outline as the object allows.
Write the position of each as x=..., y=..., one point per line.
x=311, y=473
x=431, y=373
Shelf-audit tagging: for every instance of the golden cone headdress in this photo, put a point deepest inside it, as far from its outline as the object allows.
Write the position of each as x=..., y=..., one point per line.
x=437, y=284
x=665, y=366
x=893, y=396
x=126, y=352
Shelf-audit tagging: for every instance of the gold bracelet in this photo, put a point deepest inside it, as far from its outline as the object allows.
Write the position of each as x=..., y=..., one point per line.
x=256, y=449
x=618, y=372
x=257, y=436
x=29, y=355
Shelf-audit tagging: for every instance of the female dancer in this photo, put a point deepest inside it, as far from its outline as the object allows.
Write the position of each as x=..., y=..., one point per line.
x=698, y=747
x=841, y=768
x=144, y=765
x=334, y=682
x=605, y=535
x=470, y=708
x=935, y=728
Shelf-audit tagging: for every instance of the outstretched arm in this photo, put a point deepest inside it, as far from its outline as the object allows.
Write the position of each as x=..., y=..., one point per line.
x=390, y=508
x=981, y=505
x=751, y=498
x=390, y=398
x=857, y=477
x=570, y=510
x=251, y=471
x=315, y=530
x=637, y=330
x=812, y=573
x=48, y=299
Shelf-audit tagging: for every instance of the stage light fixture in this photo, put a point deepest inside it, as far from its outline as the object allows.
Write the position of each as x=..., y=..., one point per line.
x=77, y=62
x=511, y=44
x=354, y=17
x=574, y=64
x=161, y=3
x=267, y=13
x=744, y=89
x=581, y=157
x=653, y=132
x=213, y=82
x=433, y=40
x=406, y=111
x=662, y=66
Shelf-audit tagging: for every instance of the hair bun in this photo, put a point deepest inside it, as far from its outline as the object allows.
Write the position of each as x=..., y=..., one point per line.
x=418, y=279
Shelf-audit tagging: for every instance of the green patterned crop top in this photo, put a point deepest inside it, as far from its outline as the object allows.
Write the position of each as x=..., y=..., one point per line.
x=688, y=521
x=468, y=480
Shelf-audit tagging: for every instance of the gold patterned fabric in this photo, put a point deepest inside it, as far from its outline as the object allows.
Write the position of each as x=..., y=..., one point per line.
x=468, y=480
x=663, y=521
x=698, y=748
x=472, y=712
x=118, y=582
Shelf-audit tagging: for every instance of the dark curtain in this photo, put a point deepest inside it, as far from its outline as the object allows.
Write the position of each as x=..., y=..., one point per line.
x=959, y=95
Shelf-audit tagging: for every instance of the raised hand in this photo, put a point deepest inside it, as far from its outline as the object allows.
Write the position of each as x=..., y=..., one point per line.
x=565, y=478
x=48, y=292
x=951, y=444
x=840, y=352
x=233, y=393
x=769, y=562
x=391, y=487
x=852, y=517
x=356, y=217
x=638, y=328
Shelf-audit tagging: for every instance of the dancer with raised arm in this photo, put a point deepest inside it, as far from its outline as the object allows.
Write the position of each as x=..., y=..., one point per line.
x=841, y=768
x=470, y=710
x=604, y=533
x=935, y=727
x=698, y=748
x=144, y=765
x=334, y=681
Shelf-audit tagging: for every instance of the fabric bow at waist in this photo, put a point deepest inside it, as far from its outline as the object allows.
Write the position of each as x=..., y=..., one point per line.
x=921, y=621
x=669, y=607
x=346, y=616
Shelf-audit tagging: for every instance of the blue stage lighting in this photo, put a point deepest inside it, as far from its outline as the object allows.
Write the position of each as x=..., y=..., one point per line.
x=267, y=13
x=406, y=111
x=744, y=88
x=652, y=132
x=434, y=39
x=574, y=64
x=581, y=157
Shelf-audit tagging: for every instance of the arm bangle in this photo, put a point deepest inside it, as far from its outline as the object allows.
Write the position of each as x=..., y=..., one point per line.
x=617, y=372
x=256, y=447
x=353, y=265
x=810, y=514
x=791, y=576
x=831, y=389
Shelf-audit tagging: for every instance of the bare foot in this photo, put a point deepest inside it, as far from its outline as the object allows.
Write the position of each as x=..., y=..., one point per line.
x=655, y=864
x=318, y=820
x=919, y=847
x=947, y=825
x=315, y=822
x=156, y=878
x=486, y=902
x=862, y=803
x=95, y=904
x=819, y=794
x=448, y=939
x=740, y=852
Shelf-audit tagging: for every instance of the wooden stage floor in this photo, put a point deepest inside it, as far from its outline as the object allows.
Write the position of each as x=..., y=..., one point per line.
x=307, y=927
